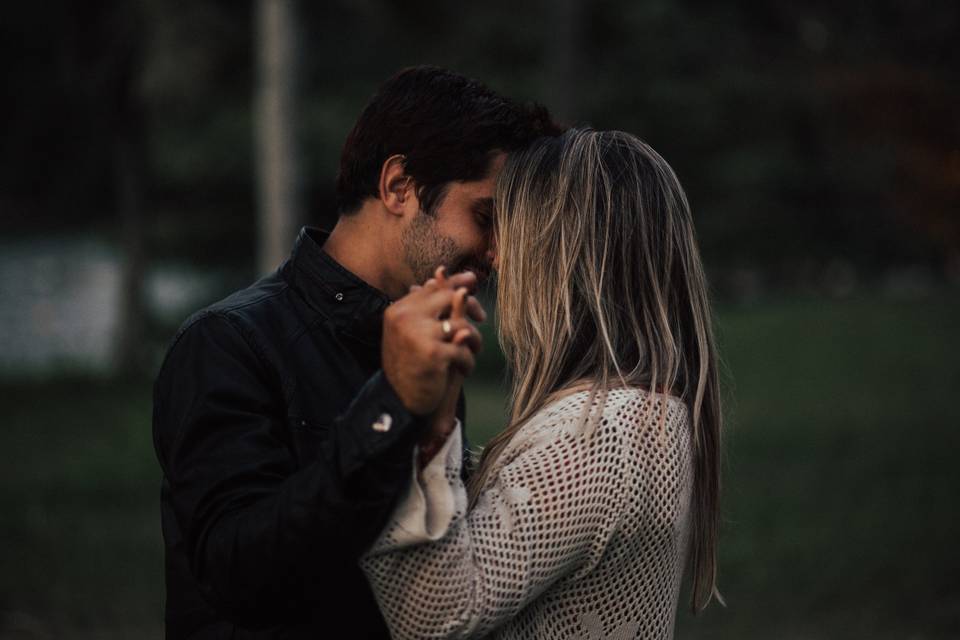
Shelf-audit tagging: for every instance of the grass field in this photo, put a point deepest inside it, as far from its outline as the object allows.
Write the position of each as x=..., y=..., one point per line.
x=840, y=510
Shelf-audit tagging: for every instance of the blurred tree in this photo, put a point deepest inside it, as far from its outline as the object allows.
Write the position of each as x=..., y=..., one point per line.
x=804, y=132
x=277, y=164
x=126, y=32
x=198, y=80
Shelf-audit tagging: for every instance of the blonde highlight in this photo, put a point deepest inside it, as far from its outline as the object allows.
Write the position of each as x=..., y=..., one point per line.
x=600, y=284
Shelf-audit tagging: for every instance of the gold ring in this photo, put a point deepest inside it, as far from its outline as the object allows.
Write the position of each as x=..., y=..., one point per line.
x=447, y=329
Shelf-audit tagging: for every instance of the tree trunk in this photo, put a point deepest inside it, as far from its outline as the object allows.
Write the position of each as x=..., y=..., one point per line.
x=277, y=167
x=128, y=166
x=132, y=317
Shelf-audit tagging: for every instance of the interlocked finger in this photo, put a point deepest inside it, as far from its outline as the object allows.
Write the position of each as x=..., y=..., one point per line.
x=470, y=337
x=459, y=298
x=451, y=327
x=475, y=309
x=461, y=357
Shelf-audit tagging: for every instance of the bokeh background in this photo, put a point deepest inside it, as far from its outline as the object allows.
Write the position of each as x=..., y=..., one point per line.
x=157, y=155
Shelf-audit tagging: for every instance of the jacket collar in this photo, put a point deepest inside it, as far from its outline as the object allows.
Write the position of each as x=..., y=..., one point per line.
x=350, y=304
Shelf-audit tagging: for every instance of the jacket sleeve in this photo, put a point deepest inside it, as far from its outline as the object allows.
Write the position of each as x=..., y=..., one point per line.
x=263, y=537
x=442, y=571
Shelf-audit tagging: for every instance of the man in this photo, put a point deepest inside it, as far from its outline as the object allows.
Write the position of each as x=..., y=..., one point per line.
x=287, y=416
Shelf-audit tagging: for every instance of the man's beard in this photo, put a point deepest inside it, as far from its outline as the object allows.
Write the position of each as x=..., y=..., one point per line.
x=424, y=249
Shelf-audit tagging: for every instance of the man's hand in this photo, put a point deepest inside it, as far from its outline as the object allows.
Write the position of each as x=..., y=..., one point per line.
x=443, y=419
x=417, y=353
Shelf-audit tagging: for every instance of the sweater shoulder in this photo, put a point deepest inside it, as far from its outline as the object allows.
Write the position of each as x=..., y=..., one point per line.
x=631, y=410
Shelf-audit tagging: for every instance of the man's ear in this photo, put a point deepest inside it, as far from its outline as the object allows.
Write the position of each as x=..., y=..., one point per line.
x=395, y=187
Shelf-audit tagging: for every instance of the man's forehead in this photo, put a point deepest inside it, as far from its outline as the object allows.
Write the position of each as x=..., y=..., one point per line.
x=497, y=160
x=477, y=189
x=483, y=187
x=496, y=165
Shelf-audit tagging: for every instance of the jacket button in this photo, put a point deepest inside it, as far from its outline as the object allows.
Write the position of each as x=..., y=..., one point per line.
x=339, y=297
x=383, y=423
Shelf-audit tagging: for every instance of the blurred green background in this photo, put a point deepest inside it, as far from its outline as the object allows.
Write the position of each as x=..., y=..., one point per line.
x=820, y=146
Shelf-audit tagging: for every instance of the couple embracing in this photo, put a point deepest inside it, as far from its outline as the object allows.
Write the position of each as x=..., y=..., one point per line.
x=317, y=481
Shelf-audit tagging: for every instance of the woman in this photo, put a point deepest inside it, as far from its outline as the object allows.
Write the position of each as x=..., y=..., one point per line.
x=584, y=511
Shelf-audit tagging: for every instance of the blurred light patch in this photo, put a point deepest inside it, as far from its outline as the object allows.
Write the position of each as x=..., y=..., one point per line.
x=59, y=308
x=60, y=303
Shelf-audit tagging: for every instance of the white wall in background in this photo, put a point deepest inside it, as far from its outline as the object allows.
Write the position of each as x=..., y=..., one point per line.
x=59, y=302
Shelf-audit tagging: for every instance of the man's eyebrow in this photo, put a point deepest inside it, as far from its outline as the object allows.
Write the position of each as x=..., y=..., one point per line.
x=483, y=206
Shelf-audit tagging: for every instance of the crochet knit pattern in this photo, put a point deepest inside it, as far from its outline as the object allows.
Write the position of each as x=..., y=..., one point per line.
x=581, y=531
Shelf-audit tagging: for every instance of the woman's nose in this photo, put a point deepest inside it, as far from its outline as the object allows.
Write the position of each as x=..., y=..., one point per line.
x=492, y=258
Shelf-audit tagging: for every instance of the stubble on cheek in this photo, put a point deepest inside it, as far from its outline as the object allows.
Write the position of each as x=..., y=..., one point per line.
x=425, y=249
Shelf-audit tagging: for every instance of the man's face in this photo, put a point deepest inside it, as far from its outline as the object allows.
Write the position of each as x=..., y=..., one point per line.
x=459, y=233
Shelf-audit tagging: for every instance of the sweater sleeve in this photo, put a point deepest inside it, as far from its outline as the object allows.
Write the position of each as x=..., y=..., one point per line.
x=440, y=571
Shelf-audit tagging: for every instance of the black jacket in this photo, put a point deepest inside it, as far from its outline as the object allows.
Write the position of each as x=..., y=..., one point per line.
x=274, y=479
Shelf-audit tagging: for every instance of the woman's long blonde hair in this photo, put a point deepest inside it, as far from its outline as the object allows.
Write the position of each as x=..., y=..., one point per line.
x=600, y=279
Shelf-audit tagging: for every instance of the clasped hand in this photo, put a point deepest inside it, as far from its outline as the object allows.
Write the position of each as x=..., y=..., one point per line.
x=429, y=346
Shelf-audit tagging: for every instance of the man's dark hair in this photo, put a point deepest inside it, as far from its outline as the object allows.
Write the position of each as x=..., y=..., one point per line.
x=444, y=124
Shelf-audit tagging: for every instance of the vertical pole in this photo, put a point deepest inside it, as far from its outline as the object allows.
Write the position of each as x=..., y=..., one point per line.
x=278, y=207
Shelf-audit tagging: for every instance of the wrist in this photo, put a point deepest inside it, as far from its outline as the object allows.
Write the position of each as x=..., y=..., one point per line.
x=443, y=427
x=427, y=451
x=410, y=404
x=435, y=440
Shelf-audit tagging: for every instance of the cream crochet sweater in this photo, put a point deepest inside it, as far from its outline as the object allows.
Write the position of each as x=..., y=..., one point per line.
x=581, y=531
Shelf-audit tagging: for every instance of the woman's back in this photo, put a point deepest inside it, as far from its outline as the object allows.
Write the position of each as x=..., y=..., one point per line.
x=631, y=583
x=581, y=531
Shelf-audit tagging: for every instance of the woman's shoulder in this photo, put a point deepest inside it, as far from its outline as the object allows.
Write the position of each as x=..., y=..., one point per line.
x=627, y=411
x=636, y=406
x=634, y=401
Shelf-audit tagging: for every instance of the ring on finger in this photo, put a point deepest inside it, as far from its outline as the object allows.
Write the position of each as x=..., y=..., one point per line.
x=447, y=329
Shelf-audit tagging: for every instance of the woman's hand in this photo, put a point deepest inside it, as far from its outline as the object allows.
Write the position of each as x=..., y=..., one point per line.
x=443, y=419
